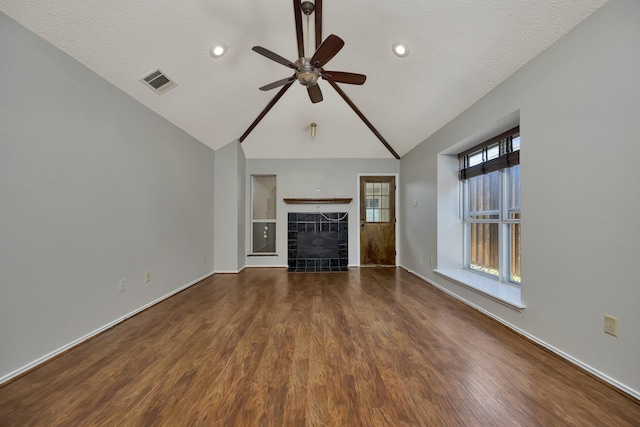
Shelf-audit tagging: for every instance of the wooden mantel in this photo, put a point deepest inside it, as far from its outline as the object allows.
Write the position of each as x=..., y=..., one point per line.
x=316, y=201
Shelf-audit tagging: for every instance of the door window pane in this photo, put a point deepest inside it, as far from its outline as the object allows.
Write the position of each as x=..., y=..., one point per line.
x=377, y=207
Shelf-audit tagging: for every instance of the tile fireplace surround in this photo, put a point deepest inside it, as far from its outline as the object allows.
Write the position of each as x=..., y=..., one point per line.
x=318, y=241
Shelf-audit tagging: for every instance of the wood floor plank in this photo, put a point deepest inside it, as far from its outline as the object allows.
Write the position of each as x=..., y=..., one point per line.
x=370, y=347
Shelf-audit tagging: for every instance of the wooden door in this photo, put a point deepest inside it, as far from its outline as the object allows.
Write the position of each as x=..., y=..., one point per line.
x=377, y=220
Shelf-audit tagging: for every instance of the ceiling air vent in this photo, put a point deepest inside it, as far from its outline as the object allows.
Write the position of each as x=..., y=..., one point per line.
x=158, y=81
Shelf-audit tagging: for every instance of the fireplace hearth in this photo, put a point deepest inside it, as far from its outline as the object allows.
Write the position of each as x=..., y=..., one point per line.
x=318, y=241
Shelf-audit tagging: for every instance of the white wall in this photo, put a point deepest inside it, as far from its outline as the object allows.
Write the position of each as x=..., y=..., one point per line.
x=578, y=100
x=94, y=188
x=314, y=179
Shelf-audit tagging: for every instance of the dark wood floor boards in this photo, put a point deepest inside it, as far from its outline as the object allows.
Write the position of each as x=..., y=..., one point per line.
x=371, y=347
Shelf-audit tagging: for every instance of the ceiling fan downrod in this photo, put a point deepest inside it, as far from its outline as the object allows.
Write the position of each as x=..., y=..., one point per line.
x=307, y=74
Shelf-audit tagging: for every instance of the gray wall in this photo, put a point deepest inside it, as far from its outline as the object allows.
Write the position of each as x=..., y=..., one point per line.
x=242, y=208
x=313, y=178
x=94, y=188
x=229, y=208
x=578, y=101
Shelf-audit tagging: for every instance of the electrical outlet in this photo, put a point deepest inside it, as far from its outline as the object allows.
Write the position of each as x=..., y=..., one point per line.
x=611, y=325
x=430, y=260
x=420, y=260
x=204, y=257
x=122, y=285
x=147, y=277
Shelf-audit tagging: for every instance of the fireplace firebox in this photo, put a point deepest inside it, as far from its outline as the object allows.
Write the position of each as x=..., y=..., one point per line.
x=318, y=241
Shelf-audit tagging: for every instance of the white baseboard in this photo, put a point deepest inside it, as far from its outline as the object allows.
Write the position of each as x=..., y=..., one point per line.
x=39, y=361
x=622, y=387
x=267, y=266
x=229, y=271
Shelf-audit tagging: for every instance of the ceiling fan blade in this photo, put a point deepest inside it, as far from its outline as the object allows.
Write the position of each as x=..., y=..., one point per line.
x=364, y=119
x=315, y=94
x=318, y=16
x=327, y=50
x=342, y=77
x=265, y=111
x=274, y=56
x=278, y=83
x=297, y=13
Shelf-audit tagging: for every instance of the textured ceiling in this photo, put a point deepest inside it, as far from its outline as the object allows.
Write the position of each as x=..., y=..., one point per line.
x=459, y=51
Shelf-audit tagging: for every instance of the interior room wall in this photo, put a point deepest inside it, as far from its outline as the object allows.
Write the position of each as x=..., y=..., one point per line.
x=229, y=208
x=94, y=189
x=578, y=109
x=241, y=230
x=314, y=178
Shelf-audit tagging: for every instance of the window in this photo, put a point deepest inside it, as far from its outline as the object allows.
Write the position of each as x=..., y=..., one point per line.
x=490, y=175
x=377, y=205
x=263, y=214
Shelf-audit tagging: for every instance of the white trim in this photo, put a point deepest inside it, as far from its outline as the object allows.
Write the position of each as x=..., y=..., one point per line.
x=231, y=271
x=74, y=343
x=614, y=383
x=397, y=211
x=267, y=266
x=509, y=295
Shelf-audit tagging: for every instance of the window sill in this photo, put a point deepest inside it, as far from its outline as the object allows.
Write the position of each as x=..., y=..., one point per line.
x=271, y=254
x=508, y=295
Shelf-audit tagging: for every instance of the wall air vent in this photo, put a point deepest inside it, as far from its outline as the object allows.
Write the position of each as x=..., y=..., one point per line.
x=158, y=81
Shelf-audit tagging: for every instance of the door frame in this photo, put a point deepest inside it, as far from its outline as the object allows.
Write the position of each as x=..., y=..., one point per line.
x=357, y=223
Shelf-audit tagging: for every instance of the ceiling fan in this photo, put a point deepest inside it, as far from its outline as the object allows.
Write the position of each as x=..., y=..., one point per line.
x=309, y=71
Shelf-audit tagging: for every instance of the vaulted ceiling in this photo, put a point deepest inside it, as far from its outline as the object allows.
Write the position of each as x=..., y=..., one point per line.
x=458, y=51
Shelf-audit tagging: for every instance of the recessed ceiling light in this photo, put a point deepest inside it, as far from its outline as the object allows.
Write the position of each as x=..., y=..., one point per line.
x=218, y=50
x=400, y=49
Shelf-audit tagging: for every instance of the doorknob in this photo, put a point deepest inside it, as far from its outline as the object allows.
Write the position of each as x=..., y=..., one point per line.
x=362, y=224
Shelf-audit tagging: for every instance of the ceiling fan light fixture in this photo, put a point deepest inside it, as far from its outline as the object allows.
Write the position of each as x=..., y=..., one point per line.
x=306, y=74
x=400, y=49
x=218, y=50
x=307, y=78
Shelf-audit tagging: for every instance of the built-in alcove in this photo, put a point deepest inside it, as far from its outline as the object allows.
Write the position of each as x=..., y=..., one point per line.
x=318, y=241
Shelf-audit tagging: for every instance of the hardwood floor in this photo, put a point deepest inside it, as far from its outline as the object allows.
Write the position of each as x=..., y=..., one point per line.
x=371, y=347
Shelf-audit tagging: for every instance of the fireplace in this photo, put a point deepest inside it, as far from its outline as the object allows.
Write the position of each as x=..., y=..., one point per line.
x=318, y=241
